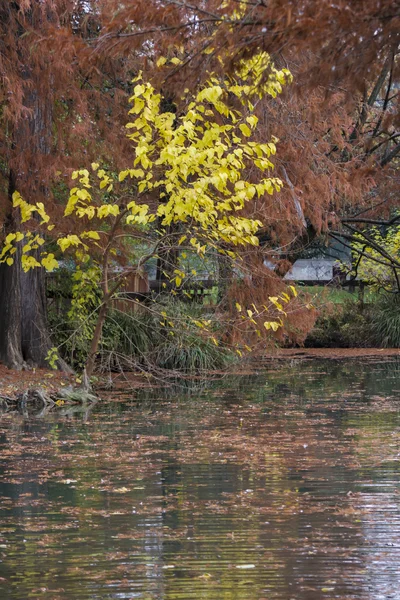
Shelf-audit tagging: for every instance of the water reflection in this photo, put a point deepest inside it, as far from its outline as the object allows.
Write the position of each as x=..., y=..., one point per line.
x=277, y=485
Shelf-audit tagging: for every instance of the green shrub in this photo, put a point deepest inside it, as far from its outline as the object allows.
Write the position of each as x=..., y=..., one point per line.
x=162, y=336
x=351, y=325
x=72, y=312
x=345, y=325
x=386, y=321
x=189, y=352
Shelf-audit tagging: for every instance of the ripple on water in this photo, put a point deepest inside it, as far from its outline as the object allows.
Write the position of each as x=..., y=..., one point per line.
x=281, y=485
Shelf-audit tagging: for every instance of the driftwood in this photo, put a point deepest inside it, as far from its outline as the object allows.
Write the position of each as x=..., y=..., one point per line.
x=39, y=402
x=81, y=395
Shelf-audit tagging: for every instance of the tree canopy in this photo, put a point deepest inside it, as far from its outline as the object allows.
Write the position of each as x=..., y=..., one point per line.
x=67, y=69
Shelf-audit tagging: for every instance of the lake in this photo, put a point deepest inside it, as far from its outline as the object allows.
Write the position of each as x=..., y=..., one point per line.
x=282, y=483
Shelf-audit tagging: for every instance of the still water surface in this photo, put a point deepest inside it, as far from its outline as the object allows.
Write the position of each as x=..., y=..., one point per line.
x=283, y=484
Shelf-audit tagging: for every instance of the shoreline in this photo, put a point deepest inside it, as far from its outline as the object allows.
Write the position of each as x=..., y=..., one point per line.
x=13, y=382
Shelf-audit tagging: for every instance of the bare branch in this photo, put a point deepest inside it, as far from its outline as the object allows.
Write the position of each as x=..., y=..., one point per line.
x=389, y=157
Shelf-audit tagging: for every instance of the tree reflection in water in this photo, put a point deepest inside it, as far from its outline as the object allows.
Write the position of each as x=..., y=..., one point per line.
x=278, y=485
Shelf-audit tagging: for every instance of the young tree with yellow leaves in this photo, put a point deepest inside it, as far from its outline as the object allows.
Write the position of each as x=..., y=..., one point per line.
x=188, y=169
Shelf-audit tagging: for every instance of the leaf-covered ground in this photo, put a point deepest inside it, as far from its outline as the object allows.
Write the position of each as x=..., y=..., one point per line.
x=13, y=382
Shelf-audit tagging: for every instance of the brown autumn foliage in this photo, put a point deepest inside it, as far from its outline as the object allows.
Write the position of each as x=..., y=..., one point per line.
x=253, y=292
x=338, y=124
x=62, y=105
x=65, y=68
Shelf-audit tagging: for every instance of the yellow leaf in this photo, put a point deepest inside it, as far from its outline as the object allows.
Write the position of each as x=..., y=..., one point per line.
x=93, y=235
x=16, y=197
x=10, y=261
x=274, y=300
x=29, y=262
x=252, y=120
x=49, y=262
x=138, y=90
x=238, y=307
x=274, y=325
x=245, y=130
x=67, y=241
x=182, y=239
x=122, y=175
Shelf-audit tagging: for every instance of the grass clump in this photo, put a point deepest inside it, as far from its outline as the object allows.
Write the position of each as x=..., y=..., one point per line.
x=386, y=321
x=170, y=335
x=185, y=345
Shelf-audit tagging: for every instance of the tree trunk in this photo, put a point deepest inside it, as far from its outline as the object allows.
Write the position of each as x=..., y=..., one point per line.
x=10, y=311
x=35, y=338
x=24, y=336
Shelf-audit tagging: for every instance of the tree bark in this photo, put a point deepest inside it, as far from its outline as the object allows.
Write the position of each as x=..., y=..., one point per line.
x=35, y=338
x=10, y=322
x=24, y=336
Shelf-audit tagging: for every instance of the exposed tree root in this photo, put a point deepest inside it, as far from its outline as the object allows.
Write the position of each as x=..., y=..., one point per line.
x=38, y=402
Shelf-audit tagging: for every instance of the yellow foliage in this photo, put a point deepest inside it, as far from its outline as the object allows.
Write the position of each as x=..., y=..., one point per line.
x=274, y=325
x=49, y=262
x=197, y=158
x=379, y=263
